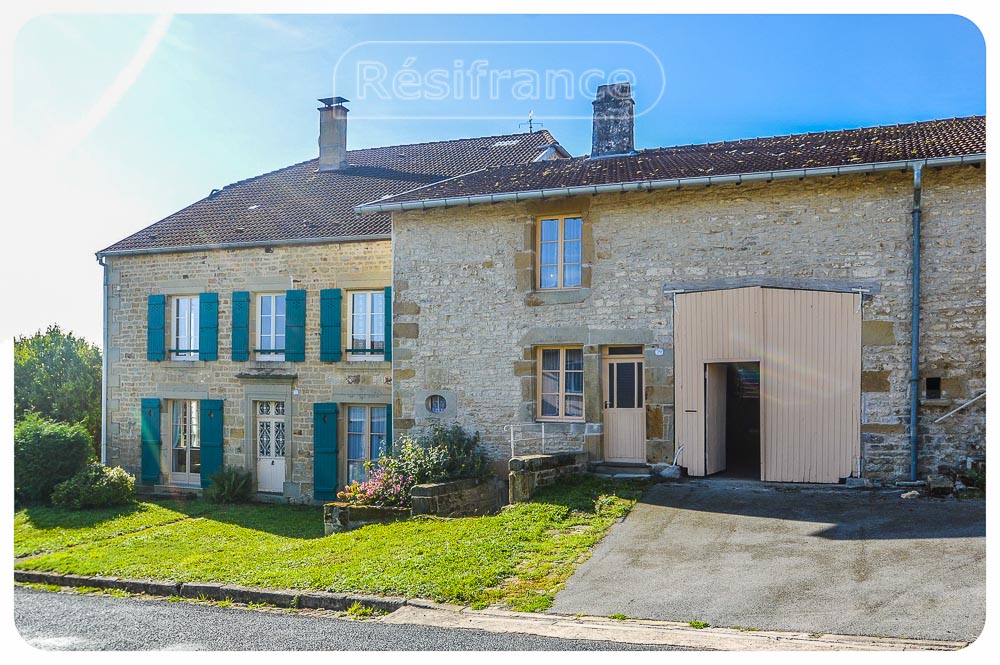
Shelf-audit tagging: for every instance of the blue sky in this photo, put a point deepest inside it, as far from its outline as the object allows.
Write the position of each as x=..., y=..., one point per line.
x=120, y=120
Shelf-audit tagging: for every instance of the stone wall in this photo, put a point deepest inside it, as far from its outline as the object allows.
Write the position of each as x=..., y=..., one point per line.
x=468, y=319
x=358, y=265
x=458, y=498
x=529, y=472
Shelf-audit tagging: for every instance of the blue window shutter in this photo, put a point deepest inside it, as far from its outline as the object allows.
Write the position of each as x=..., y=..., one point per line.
x=330, y=333
x=150, y=442
x=325, y=451
x=295, y=326
x=388, y=323
x=241, y=326
x=208, y=326
x=388, y=428
x=210, y=412
x=155, y=334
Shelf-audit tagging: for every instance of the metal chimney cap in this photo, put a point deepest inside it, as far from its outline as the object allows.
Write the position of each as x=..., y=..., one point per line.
x=330, y=101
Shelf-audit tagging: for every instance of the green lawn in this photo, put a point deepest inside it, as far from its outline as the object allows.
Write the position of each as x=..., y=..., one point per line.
x=519, y=558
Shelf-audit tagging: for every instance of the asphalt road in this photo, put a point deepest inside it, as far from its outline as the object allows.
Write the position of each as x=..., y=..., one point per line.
x=69, y=621
x=792, y=558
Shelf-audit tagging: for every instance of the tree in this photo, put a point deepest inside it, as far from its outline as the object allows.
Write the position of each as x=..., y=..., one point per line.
x=58, y=376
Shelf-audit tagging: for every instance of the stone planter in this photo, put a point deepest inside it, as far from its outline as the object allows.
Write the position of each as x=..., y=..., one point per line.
x=339, y=516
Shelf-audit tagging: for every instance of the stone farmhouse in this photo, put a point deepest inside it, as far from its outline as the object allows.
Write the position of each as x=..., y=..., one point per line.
x=249, y=328
x=750, y=305
x=747, y=306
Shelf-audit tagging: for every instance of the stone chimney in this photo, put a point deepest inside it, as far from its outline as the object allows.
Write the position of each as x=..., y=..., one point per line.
x=333, y=134
x=614, y=123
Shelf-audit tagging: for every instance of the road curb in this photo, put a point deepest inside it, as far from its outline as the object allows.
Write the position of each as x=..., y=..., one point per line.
x=316, y=600
x=424, y=612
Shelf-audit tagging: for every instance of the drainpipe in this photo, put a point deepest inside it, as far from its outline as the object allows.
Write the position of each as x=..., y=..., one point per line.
x=104, y=364
x=915, y=323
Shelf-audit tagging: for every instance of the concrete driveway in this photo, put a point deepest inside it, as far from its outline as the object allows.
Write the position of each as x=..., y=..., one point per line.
x=809, y=558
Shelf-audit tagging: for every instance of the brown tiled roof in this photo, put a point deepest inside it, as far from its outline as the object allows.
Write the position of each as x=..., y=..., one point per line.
x=868, y=145
x=301, y=203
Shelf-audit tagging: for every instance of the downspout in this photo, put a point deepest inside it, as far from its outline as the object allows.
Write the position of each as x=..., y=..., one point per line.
x=104, y=364
x=915, y=323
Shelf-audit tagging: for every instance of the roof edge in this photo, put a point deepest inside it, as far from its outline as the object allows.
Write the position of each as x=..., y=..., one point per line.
x=671, y=183
x=243, y=245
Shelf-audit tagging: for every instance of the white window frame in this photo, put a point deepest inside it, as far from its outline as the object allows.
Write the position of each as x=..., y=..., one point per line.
x=184, y=343
x=372, y=298
x=260, y=353
x=192, y=435
x=560, y=243
x=367, y=436
x=562, y=392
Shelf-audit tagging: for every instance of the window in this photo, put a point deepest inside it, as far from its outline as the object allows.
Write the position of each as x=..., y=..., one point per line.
x=366, y=433
x=933, y=387
x=436, y=404
x=185, y=329
x=185, y=447
x=560, y=383
x=367, y=325
x=560, y=252
x=271, y=326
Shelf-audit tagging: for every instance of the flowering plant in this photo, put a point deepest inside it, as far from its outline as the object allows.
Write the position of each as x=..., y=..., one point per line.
x=384, y=487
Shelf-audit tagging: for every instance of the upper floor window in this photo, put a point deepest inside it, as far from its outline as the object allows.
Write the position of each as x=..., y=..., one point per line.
x=271, y=326
x=367, y=316
x=560, y=252
x=560, y=383
x=185, y=328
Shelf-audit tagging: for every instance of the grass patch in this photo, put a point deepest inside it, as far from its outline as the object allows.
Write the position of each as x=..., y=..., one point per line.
x=698, y=624
x=41, y=586
x=359, y=611
x=618, y=617
x=518, y=558
x=40, y=529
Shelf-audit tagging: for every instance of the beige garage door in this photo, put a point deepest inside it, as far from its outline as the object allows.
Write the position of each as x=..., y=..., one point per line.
x=808, y=344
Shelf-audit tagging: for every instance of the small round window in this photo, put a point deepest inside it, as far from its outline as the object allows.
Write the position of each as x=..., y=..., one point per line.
x=436, y=404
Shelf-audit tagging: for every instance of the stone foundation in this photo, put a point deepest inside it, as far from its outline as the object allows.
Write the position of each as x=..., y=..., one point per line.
x=530, y=472
x=459, y=498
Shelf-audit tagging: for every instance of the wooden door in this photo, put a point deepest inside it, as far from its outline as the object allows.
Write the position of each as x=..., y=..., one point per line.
x=810, y=375
x=715, y=417
x=624, y=410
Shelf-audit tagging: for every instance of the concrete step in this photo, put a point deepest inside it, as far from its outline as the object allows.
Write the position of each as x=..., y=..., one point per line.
x=620, y=470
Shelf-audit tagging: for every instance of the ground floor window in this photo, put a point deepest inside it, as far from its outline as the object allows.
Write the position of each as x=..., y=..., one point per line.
x=366, y=434
x=185, y=449
x=560, y=383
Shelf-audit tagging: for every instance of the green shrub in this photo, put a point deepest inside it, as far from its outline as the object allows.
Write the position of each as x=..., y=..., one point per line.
x=438, y=454
x=229, y=485
x=45, y=454
x=95, y=486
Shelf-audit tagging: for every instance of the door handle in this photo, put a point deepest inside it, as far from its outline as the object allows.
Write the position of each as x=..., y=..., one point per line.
x=272, y=462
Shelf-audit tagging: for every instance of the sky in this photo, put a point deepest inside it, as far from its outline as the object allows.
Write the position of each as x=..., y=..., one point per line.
x=120, y=120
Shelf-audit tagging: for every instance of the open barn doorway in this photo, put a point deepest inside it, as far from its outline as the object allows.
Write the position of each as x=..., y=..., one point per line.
x=732, y=419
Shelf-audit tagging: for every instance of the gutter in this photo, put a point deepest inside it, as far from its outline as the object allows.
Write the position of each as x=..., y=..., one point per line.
x=673, y=183
x=915, y=324
x=104, y=365
x=244, y=245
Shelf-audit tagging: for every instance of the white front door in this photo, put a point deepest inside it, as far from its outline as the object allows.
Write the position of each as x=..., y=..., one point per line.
x=270, y=446
x=624, y=410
